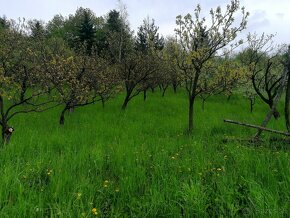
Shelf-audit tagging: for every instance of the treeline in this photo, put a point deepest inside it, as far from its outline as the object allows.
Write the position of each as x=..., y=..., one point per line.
x=78, y=60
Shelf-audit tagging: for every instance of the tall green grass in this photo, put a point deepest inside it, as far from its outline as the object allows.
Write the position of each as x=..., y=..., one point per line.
x=141, y=163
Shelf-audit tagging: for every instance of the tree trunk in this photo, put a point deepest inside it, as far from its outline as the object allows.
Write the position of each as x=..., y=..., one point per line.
x=164, y=90
x=145, y=95
x=3, y=135
x=275, y=102
x=191, y=95
x=190, y=114
x=62, y=115
x=174, y=88
x=252, y=104
x=6, y=133
x=22, y=94
x=276, y=113
x=287, y=97
x=126, y=100
x=103, y=101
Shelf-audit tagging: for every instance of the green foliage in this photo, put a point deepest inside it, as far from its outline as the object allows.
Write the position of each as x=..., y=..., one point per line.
x=56, y=27
x=199, y=43
x=264, y=65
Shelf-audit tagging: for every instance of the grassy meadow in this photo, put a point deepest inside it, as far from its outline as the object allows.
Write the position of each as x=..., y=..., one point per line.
x=105, y=162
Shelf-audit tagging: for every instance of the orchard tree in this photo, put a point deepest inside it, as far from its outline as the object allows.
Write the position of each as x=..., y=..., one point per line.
x=286, y=64
x=201, y=41
x=250, y=94
x=19, y=71
x=264, y=64
x=135, y=68
x=173, y=72
x=79, y=78
x=136, y=71
x=222, y=76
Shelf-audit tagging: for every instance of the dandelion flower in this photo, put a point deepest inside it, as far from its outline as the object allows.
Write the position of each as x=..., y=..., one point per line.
x=95, y=211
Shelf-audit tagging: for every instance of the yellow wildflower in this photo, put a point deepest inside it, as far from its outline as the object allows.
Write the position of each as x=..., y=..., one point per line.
x=95, y=211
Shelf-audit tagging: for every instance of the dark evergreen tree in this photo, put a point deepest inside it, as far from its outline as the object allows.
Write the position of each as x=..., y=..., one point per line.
x=148, y=36
x=118, y=35
x=37, y=29
x=114, y=21
x=4, y=23
x=86, y=31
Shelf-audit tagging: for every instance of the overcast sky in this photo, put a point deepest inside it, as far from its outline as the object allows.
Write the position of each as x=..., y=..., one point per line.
x=269, y=16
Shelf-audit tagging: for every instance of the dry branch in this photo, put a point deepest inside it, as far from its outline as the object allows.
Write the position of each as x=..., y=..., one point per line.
x=258, y=127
